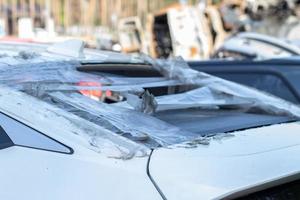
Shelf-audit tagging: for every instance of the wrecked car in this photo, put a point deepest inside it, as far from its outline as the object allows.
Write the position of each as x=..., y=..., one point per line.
x=255, y=46
x=173, y=133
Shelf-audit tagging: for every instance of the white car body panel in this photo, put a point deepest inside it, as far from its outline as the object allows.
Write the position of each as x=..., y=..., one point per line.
x=36, y=174
x=225, y=166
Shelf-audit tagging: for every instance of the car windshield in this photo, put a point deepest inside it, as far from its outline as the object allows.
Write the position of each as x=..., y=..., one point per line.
x=132, y=113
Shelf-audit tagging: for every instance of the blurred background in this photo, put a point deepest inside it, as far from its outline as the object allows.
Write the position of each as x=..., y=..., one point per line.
x=193, y=29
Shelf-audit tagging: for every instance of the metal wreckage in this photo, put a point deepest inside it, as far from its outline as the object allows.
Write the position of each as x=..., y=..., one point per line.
x=208, y=25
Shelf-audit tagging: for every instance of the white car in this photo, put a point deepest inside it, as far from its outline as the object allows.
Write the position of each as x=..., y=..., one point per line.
x=169, y=133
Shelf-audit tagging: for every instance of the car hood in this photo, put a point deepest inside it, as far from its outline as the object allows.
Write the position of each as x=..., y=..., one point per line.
x=229, y=164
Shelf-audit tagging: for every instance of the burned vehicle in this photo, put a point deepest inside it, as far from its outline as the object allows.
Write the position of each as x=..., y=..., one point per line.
x=172, y=133
x=255, y=46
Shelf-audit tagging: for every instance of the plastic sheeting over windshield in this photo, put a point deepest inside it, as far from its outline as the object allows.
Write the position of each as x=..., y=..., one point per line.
x=179, y=70
x=51, y=120
x=131, y=129
x=138, y=125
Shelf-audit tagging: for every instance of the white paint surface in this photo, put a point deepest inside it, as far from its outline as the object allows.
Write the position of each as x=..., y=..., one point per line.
x=251, y=157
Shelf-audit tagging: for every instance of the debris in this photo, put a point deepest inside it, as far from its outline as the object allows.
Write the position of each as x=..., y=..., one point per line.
x=27, y=55
x=146, y=104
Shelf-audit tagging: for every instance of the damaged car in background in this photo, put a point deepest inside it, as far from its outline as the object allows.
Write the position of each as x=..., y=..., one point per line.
x=170, y=132
x=255, y=46
x=263, y=62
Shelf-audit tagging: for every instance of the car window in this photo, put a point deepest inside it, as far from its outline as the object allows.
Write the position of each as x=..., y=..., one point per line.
x=14, y=133
x=5, y=141
x=266, y=82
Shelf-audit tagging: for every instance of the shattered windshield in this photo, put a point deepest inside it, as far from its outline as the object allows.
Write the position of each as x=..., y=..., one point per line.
x=112, y=110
